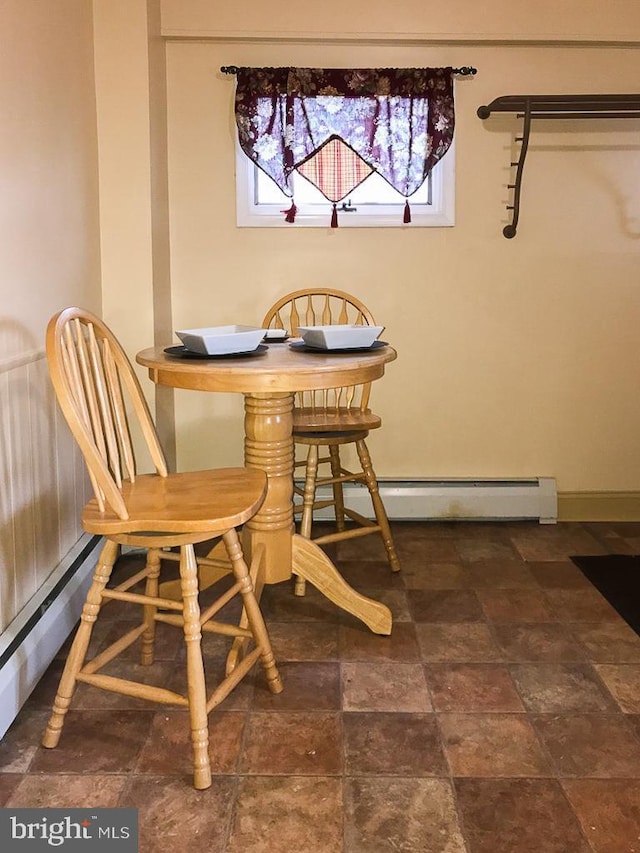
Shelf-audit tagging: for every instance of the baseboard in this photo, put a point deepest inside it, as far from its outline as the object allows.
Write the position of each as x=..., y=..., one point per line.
x=455, y=499
x=599, y=506
x=33, y=638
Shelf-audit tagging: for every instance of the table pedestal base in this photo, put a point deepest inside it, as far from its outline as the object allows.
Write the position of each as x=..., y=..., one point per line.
x=271, y=533
x=311, y=563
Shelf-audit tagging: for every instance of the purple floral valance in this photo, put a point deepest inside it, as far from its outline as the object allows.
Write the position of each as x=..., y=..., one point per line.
x=400, y=121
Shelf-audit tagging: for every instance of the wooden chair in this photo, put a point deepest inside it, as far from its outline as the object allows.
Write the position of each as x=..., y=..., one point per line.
x=332, y=419
x=99, y=394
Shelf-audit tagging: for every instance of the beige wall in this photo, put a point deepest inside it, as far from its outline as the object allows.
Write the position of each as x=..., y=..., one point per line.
x=122, y=95
x=49, y=258
x=131, y=116
x=516, y=358
x=49, y=242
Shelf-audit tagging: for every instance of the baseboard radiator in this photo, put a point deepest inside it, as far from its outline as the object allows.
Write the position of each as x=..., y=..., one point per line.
x=33, y=638
x=456, y=499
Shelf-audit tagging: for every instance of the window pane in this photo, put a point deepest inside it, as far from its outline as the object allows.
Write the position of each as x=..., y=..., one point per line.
x=373, y=190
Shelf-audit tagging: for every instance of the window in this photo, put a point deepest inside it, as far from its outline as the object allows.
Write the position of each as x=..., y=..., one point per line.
x=369, y=140
x=373, y=204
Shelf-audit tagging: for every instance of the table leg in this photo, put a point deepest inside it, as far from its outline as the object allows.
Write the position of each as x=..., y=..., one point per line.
x=312, y=564
x=269, y=446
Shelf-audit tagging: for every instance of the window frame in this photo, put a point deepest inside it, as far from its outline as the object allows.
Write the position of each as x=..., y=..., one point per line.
x=441, y=212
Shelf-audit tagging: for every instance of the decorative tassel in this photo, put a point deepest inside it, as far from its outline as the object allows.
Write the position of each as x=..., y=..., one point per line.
x=407, y=213
x=334, y=216
x=291, y=213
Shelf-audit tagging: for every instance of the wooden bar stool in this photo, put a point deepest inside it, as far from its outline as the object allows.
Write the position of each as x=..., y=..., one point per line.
x=332, y=419
x=99, y=394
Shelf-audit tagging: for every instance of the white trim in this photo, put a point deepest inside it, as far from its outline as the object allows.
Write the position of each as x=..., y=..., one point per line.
x=408, y=39
x=456, y=499
x=35, y=651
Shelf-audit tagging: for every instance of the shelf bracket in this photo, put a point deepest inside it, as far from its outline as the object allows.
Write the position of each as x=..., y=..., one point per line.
x=529, y=107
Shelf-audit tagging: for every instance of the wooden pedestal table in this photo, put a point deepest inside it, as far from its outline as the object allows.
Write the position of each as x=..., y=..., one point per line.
x=269, y=382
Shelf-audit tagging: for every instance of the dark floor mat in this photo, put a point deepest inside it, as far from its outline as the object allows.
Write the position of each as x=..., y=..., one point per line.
x=617, y=577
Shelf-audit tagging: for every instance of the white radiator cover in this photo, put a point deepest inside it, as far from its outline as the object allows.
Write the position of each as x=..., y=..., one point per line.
x=33, y=638
x=456, y=499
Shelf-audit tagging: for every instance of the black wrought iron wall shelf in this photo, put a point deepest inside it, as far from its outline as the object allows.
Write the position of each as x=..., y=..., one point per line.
x=531, y=107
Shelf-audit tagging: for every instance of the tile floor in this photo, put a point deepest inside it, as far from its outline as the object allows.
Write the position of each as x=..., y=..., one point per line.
x=501, y=716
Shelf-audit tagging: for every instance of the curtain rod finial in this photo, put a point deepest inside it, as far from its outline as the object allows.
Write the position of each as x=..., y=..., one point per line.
x=229, y=69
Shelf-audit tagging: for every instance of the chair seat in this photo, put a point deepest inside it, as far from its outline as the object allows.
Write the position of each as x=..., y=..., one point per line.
x=191, y=502
x=334, y=420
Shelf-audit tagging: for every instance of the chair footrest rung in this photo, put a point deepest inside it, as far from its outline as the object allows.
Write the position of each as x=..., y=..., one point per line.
x=202, y=561
x=345, y=534
x=112, y=651
x=134, y=688
x=132, y=581
x=233, y=679
x=211, y=626
x=360, y=519
x=139, y=598
x=345, y=477
x=219, y=603
x=298, y=508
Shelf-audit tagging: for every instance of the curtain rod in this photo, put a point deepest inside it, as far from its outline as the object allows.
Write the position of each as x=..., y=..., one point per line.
x=464, y=71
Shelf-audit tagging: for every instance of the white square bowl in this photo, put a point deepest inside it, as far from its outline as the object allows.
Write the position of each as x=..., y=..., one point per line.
x=221, y=340
x=339, y=336
x=275, y=334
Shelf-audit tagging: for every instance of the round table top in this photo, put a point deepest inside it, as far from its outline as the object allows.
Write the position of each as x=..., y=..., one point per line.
x=280, y=369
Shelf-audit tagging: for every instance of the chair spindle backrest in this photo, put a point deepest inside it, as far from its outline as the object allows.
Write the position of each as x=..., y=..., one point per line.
x=322, y=307
x=98, y=393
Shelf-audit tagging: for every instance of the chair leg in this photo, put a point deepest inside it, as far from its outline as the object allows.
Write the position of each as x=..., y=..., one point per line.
x=338, y=494
x=150, y=610
x=310, y=476
x=252, y=610
x=78, y=651
x=378, y=505
x=195, y=668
